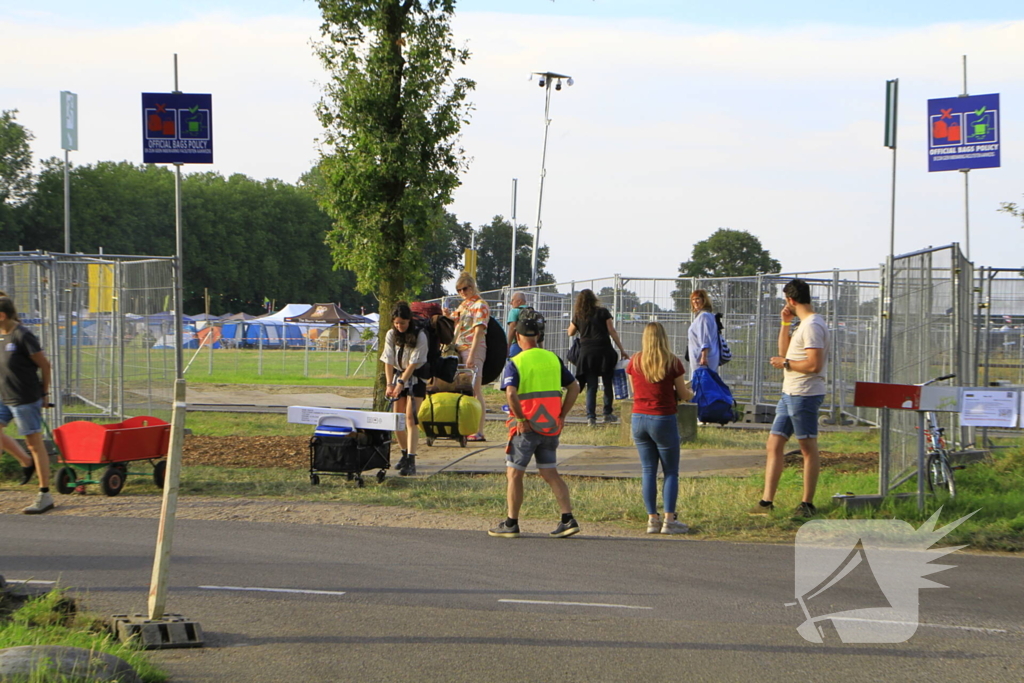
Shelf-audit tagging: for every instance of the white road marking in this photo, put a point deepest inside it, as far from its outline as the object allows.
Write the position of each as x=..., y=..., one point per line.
x=32, y=582
x=271, y=590
x=977, y=629
x=573, y=604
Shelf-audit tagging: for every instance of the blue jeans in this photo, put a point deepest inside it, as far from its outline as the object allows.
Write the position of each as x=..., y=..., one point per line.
x=588, y=383
x=799, y=415
x=657, y=440
x=28, y=416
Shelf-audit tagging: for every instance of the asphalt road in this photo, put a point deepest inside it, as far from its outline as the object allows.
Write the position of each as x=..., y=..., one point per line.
x=418, y=605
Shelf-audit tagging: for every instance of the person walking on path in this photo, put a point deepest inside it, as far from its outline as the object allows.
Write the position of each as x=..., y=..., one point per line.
x=471, y=318
x=516, y=306
x=405, y=350
x=594, y=324
x=803, y=355
x=24, y=387
x=533, y=381
x=702, y=338
x=659, y=382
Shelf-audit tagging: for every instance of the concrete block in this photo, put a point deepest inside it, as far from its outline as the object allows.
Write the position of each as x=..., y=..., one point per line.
x=860, y=501
x=686, y=416
x=969, y=457
x=173, y=631
x=759, y=414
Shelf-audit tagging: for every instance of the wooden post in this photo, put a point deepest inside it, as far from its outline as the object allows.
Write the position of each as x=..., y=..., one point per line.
x=165, y=536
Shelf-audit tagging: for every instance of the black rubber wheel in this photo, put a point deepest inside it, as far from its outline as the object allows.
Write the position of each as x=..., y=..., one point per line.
x=430, y=441
x=112, y=480
x=463, y=440
x=349, y=476
x=66, y=479
x=160, y=473
x=380, y=476
x=314, y=479
x=360, y=483
x=940, y=477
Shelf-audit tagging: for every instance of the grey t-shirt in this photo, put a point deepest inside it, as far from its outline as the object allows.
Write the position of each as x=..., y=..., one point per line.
x=811, y=333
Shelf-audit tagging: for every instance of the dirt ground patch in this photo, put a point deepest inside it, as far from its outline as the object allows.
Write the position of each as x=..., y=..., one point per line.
x=246, y=451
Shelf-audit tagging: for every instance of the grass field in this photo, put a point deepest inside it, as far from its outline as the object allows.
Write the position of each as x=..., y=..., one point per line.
x=51, y=619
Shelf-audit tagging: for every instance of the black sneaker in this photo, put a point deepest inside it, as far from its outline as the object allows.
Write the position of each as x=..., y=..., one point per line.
x=503, y=531
x=805, y=511
x=566, y=529
x=592, y=421
x=26, y=474
x=407, y=467
x=610, y=419
x=761, y=509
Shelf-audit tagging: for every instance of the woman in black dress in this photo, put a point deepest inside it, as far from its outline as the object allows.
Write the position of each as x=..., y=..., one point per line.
x=594, y=324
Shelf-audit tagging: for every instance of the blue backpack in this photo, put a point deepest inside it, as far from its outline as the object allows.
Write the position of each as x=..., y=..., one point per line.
x=714, y=400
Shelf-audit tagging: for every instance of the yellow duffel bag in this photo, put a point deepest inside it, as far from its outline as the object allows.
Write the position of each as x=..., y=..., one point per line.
x=449, y=408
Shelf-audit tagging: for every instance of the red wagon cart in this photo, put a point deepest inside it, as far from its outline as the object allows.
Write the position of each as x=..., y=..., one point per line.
x=110, y=447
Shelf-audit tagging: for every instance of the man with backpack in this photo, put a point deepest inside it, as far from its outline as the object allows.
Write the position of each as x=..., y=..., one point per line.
x=533, y=383
x=803, y=355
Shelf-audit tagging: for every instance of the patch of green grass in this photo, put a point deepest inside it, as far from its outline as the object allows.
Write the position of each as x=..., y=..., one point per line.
x=52, y=619
x=714, y=507
x=280, y=366
x=244, y=424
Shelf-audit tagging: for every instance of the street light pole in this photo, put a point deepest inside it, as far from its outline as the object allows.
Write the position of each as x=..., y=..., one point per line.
x=547, y=78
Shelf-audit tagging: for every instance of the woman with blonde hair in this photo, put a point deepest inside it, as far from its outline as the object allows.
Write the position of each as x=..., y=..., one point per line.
x=704, y=345
x=658, y=380
x=597, y=356
x=471, y=319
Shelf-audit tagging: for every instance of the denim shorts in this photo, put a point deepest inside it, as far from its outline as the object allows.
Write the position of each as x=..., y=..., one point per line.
x=532, y=445
x=797, y=415
x=29, y=417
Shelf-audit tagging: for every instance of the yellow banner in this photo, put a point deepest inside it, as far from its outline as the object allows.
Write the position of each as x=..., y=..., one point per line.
x=101, y=288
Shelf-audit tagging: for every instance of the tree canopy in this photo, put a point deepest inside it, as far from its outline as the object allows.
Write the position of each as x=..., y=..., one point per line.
x=15, y=159
x=244, y=240
x=494, y=256
x=729, y=253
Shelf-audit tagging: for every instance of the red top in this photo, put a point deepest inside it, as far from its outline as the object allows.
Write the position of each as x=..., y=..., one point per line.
x=654, y=399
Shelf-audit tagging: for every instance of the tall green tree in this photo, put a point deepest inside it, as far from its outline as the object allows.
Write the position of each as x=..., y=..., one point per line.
x=392, y=111
x=444, y=255
x=15, y=173
x=727, y=253
x=494, y=256
x=15, y=158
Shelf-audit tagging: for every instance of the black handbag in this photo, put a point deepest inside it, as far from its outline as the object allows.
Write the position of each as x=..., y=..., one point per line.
x=574, y=351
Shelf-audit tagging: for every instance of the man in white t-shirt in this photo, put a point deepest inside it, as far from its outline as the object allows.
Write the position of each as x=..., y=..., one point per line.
x=803, y=355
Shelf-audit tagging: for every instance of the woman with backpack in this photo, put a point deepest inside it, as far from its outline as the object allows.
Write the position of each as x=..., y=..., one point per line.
x=703, y=340
x=471, y=320
x=594, y=324
x=405, y=350
x=659, y=382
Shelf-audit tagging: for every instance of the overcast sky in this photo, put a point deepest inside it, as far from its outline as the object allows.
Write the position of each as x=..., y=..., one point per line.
x=685, y=116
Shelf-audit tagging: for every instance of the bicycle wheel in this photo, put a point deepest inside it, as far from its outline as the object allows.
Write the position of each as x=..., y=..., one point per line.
x=940, y=477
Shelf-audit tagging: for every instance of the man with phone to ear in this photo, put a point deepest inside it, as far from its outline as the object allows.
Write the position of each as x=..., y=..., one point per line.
x=803, y=355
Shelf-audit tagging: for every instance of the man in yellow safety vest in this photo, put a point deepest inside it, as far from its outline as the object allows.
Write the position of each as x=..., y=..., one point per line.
x=533, y=383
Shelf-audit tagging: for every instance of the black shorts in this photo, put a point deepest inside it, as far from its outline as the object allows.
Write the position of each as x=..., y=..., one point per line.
x=418, y=390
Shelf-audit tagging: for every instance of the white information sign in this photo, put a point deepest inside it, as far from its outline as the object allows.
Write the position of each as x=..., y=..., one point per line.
x=362, y=419
x=989, y=408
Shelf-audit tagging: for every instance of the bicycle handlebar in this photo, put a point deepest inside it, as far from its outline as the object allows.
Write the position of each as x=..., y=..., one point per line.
x=938, y=379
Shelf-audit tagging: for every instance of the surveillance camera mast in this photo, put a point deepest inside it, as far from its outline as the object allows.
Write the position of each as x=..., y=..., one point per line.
x=545, y=81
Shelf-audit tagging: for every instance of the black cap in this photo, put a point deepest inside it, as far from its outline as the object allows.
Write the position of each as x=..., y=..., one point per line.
x=530, y=323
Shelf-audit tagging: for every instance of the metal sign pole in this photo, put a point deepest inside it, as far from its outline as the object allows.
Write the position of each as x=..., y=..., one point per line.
x=512, y=277
x=966, y=172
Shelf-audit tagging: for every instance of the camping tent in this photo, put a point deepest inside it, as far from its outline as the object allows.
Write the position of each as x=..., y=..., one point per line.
x=320, y=316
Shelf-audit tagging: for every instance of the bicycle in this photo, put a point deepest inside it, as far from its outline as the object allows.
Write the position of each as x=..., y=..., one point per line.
x=938, y=470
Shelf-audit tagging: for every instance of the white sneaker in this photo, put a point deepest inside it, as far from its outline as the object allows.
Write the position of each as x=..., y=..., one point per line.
x=653, y=525
x=674, y=526
x=44, y=502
